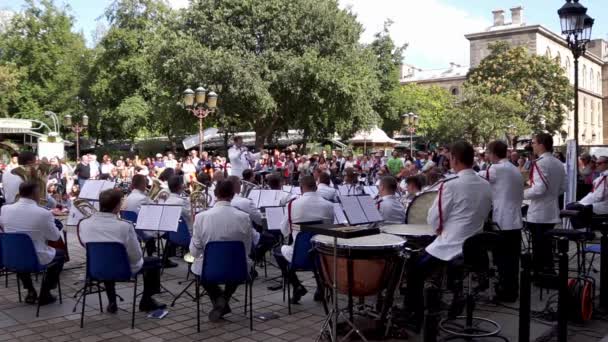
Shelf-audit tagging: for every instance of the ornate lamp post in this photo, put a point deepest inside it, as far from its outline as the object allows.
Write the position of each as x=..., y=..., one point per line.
x=511, y=130
x=410, y=121
x=576, y=27
x=77, y=128
x=200, y=103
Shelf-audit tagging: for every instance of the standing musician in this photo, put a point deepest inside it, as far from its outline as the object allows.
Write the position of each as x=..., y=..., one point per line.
x=240, y=158
x=25, y=216
x=507, y=195
x=134, y=201
x=598, y=197
x=458, y=212
x=547, y=183
x=310, y=207
x=223, y=222
x=105, y=226
x=389, y=206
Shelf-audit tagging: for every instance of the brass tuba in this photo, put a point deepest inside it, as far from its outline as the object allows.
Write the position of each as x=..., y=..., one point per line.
x=246, y=188
x=84, y=207
x=199, y=200
x=157, y=192
x=35, y=173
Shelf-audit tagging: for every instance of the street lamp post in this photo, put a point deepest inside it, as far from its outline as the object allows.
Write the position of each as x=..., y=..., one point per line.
x=77, y=127
x=200, y=103
x=410, y=121
x=576, y=27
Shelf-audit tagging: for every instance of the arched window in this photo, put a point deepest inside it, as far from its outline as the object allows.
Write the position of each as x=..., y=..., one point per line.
x=558, y=58
x=591, y=80
x=567, y=65
x=548, y=52
x=584, y=78
x=585, y=118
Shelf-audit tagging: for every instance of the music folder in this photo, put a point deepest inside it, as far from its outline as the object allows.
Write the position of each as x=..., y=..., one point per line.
x=339, y=217
x=92, y=188
x=158, y=217
x=360, y=210
x=275, y=217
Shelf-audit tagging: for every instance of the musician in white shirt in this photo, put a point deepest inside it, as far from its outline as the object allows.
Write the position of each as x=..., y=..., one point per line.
x=507, y=195
x=311, y=207
x=134, y=201
x=105, y=226
x=459, y=212
x=413, y=187
x=389, y=206
x=547, y=183
x=223, y=222
x=598, y=197
x=25, y=216
x=325, y=190
x=11, y=180
x=240, y=158
x=247, y=206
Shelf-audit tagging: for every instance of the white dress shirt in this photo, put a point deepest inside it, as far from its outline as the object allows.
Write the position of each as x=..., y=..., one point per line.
x=310, y=207
x=135, y=200
x=175, y=199
x=598, y=197
x=239, y=160
x=248, y=207
x=465, y=205
x=391, y=209
x=223, y=222
x=548, y=180
x=25, y=216
x=107, y=227
x=507, y=193
x=10, y=184
x=327, y=192
x=106, y=168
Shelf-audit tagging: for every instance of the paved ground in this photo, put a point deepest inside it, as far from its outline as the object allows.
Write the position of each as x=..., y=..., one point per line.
x=58, y=322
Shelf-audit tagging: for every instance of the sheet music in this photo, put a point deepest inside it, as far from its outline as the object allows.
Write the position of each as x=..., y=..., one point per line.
x=254, y=195
x=92, y=188
x=296, y=191
x=339, y=217
x=287, y=188
x=352, y=210
x=149, y=217
x=343, y=190
x=269, y=198
x=106, y=185
x=371, y=190
x=169, y=219
x=369, y=209
x=274, y=217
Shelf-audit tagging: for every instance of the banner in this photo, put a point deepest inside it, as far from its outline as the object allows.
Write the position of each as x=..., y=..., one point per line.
x=193, y=140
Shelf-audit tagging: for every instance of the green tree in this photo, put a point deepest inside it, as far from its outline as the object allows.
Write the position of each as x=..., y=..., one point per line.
x=51, y=60
x=537, y=82
x=10, y=77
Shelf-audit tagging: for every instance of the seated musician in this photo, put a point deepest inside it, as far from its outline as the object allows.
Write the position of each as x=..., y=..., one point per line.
x=274, y=182
x=598, y=197
x=13, y=178
x=413, y=186
x=458, y=212
x=25, y=216
x=308, y=208
x=105, y=226
x=324, y=189
x=351, y=179
x=389, y=206
x=133, y=203
x=249, y=176
x=247, y=206
x=223, y=222
x=176, y=186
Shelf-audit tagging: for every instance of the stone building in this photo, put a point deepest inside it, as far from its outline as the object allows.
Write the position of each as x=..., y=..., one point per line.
x=593, y=70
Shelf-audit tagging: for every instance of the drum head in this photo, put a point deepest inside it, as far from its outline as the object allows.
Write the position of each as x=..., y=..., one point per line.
x=409, y=230
x=419, y=208
x=375, y=242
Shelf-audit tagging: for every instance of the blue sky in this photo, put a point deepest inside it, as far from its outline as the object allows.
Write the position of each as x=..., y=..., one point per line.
x=434, y=29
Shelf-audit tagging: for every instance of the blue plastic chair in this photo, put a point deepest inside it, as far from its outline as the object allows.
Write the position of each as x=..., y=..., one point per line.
x=301, y=261
x=19, y=256
x=107, y=261
x=131, y=216
x=593, y=250
x=225, y=262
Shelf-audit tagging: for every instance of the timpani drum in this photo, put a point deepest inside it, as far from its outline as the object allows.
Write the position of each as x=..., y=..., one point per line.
x=366, y=263
x=417, y=236
x=419, y=208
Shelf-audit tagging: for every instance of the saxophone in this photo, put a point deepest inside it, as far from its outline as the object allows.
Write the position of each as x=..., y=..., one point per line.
x=38, y=174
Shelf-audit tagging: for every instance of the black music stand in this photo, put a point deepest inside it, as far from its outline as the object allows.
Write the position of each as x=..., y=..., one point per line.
x=343, y=232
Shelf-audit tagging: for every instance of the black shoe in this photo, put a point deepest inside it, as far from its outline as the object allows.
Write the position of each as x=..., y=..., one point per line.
x=47, y=299
x=318, y=297
x=31, y=297
x=150, y=305
x=457, y=307
x=226, y=309
x=298, y=293
x=218, y=310
x=112, y=308
x=169, y=264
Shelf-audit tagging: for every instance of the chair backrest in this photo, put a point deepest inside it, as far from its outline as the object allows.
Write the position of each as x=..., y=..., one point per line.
x=108, y=261
x=182, y=236
x=225, y=262
x=302, y=259
x=19, y=253
x=476, y=248
x=128, y=215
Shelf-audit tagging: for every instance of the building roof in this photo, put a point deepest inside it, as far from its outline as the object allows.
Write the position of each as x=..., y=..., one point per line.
x=372, y=136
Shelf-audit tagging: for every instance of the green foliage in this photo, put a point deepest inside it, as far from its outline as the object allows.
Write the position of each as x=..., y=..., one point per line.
x=537, y=82
x=10, y=77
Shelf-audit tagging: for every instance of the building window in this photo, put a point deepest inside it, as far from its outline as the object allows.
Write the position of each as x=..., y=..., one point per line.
x=548, y=52
x=454, y=91
x=591, y=80
x=599, y=114
x=585, y=110
x=584, y=80
x=599, y=83
x=567, y=66
x=592, y=112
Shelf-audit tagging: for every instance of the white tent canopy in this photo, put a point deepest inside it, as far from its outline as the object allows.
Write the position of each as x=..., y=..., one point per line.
x=372, y=136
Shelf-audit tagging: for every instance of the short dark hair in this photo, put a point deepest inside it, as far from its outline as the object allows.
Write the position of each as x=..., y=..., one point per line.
x=203, y=178
x=237, y=138
x=389, y=182
x=274, y=182
x=26, y=157
x=235, y=181
x=109, y=200
x=308, y=183
x=545, y=139
x=463, y=152
x=415, y=180
x=247, y=174
x=224, y=190
x=28, y=189
x=166, y=174
x=498, y=148
x=324, y=178
x=139, y=181
x=175, y=183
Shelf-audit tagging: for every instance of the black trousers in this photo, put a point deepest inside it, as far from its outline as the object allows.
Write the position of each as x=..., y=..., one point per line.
x=420, y=269
x=151, y=275
x=507, y=262
x=292, y=277
x=215, y=291
x=52, y=275
x=542, y=253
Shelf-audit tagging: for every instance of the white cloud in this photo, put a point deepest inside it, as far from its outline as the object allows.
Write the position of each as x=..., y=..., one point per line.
x=434, y=30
